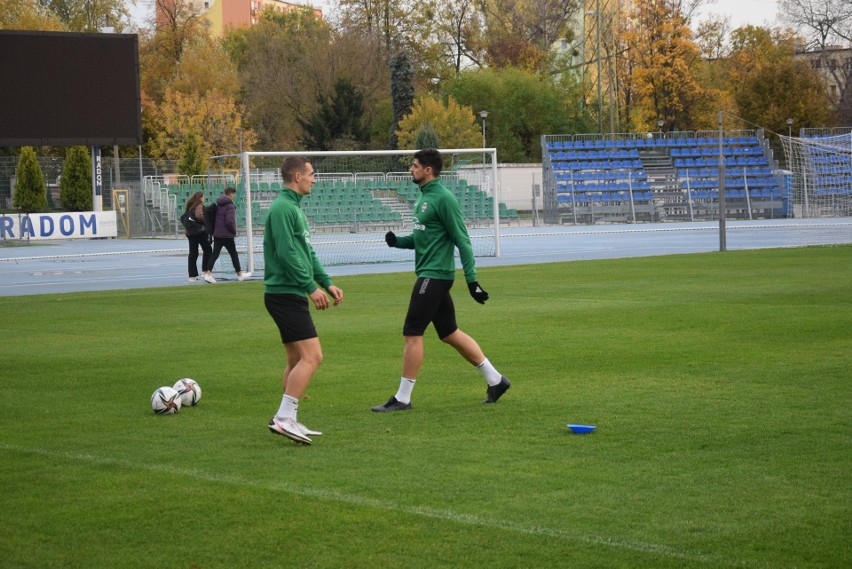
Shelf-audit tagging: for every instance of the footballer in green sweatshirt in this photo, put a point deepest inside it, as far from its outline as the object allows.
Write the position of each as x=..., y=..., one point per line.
x=290, y=279
x=438, y=230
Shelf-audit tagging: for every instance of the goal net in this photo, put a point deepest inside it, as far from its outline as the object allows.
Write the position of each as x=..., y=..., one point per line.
x=357, y=197
x=821, y=174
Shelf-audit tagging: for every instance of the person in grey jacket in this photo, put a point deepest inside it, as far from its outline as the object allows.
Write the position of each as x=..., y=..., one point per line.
x=225, y=231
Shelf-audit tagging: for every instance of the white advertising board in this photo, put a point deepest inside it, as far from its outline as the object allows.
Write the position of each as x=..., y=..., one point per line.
x=68, y=225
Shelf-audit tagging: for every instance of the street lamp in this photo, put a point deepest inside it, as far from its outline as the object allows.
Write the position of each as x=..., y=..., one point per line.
x=789, y=128
x=483, y=114
x=660, y=124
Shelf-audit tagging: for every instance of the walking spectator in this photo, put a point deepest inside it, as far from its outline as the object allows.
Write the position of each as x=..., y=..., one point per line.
x=226, y=231
x=197, y=237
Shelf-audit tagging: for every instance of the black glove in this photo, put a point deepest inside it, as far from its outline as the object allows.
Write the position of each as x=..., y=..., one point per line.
x=477, y=293
x=390, y=239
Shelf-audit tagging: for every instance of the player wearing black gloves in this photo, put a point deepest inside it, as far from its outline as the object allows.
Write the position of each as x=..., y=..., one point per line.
x=438, y=230
x=477, y=293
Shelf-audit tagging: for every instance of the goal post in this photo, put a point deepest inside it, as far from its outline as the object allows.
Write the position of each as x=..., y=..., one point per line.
x=820, y=167
x=358, y=196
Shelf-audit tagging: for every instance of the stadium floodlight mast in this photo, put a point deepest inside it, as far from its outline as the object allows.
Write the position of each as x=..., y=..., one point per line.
x=597, y=14
x=723, y=244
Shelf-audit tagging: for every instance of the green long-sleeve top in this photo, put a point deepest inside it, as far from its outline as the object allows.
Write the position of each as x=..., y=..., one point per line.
x=292, y=266
x=438, y=230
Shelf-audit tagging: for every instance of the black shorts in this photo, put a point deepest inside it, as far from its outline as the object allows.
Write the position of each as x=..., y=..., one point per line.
x=292, y=315
x=430, y=302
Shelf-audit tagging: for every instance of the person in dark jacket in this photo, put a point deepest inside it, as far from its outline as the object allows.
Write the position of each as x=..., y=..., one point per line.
x=226, y=231
x=198, y=238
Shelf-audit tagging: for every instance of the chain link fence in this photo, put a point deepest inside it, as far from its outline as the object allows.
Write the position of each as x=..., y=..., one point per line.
x=127, y=176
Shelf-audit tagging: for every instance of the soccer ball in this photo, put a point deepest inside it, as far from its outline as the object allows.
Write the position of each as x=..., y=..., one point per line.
x=190, y=391
x=166, y=401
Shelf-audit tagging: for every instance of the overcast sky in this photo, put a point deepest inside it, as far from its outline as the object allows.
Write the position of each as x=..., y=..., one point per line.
x=742, y=12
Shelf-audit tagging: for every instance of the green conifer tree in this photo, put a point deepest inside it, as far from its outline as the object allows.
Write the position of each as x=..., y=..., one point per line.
x=30, y=189
x=426, y=137
x=75, y=187
x=191, y=163
x=402, y=92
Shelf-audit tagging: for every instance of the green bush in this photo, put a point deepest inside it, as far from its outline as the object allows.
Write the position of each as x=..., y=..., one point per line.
x=30, y=189
x=76, y=183
x=191, y=162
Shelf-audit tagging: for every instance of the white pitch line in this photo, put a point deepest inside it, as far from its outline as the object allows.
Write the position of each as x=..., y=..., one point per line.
x=101, y=254
x=434, y=513
x=657, y=228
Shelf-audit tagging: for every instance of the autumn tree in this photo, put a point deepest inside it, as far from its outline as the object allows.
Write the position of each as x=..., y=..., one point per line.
x=826, y=24
x=29, y=15
x=769, y=83
x=357, y=59
x=181, y=59
x=30, y=189
x=179, y=23
x=711, y=38
x=411, y=26
x=213, y=118
x=522, y=105
x=279, y=70
x=76, y=184
x=90, y=16
x=460, y=27
x=401, y=25
x=205, y=66
x=287, y=59
x=454, y=125
x=823, y=22
x=338, y=122
x=660, y=81
x=520, y=33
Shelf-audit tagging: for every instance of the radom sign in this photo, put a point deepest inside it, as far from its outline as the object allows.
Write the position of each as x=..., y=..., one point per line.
x=71, y=225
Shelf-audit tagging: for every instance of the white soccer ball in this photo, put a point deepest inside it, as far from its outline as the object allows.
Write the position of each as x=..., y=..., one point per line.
x=166, y=401
x=189, y=390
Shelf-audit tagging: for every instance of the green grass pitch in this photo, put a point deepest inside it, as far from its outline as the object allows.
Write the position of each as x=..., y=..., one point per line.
x=720, y=385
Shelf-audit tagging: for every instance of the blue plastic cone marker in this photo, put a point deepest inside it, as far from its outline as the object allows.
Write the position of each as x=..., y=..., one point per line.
x=581, y=429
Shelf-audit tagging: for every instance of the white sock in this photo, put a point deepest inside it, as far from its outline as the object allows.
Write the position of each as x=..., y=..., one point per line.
x=491, y=375
x=406, y=386
x=288, y=409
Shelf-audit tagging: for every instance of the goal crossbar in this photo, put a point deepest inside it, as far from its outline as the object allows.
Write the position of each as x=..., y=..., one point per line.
x=458, y=164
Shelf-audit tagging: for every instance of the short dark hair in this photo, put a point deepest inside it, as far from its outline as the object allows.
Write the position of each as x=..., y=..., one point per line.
x=229, y=191
x=291, y=165
x=430, y=158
